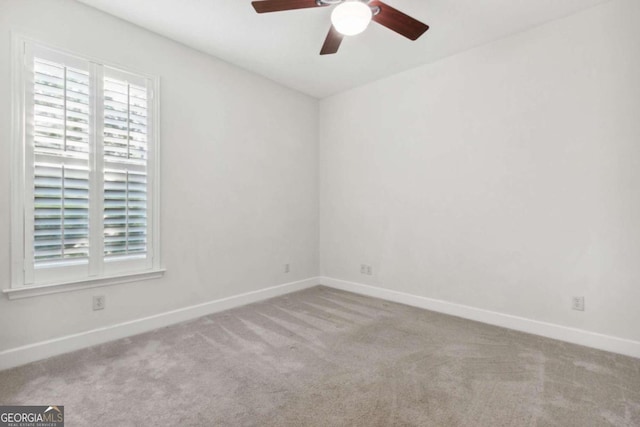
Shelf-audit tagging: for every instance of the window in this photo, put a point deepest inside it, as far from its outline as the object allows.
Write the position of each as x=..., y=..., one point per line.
x=85, y=188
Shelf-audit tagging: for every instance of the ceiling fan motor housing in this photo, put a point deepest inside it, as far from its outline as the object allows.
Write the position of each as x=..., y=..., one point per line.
x=374, y=10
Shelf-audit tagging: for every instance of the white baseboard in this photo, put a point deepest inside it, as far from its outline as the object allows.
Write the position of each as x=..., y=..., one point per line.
x=44, y=349
x=549, y=330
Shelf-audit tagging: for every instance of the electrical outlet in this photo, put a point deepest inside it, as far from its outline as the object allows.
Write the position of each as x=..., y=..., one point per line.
x=578, y=303
x=287, y=268
x=98, y=302
x=366, y=269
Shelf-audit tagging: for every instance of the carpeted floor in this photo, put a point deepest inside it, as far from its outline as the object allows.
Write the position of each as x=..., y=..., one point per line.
x=323, y=357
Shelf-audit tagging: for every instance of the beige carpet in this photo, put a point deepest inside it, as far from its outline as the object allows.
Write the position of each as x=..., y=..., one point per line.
x=322, y=357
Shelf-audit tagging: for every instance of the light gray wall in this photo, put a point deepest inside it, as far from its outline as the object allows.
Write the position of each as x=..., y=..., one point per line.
x=239, y=171
x=505, y=178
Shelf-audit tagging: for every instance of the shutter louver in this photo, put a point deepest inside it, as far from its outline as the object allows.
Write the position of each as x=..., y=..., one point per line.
x=125, y=174
x=61, y=163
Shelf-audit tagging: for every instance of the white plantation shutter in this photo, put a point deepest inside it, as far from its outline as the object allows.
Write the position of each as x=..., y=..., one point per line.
x=125, y=160
x=61, y=218
x=61, y=163
x=87, y=168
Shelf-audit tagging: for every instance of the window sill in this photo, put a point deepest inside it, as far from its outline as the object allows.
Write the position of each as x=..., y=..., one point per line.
x=54, y=288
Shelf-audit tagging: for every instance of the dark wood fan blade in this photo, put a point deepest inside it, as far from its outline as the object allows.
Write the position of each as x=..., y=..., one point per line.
x=397, y=21
x=280, y=5
x=332, y=42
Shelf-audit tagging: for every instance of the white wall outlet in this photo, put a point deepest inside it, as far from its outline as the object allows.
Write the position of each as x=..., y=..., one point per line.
x=98, y=302
x=287, y=268
x=366, y=269
x=577, y=303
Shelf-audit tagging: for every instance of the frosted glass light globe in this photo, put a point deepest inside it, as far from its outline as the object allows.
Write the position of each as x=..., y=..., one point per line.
x=351, y=17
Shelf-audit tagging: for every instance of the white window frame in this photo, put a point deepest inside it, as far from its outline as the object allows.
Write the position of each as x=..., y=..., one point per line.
x=107, y=272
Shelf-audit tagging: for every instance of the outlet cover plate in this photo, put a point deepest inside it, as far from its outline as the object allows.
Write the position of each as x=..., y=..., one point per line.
x=578, y=303
x=98, y=302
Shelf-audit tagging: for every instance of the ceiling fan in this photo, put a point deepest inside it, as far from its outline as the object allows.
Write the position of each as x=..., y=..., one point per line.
x=350, y=17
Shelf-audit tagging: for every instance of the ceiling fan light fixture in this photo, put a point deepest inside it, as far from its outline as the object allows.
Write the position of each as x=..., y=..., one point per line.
x=351, y=17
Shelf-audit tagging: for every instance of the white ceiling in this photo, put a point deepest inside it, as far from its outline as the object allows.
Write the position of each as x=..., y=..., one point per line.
x=284, y=46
